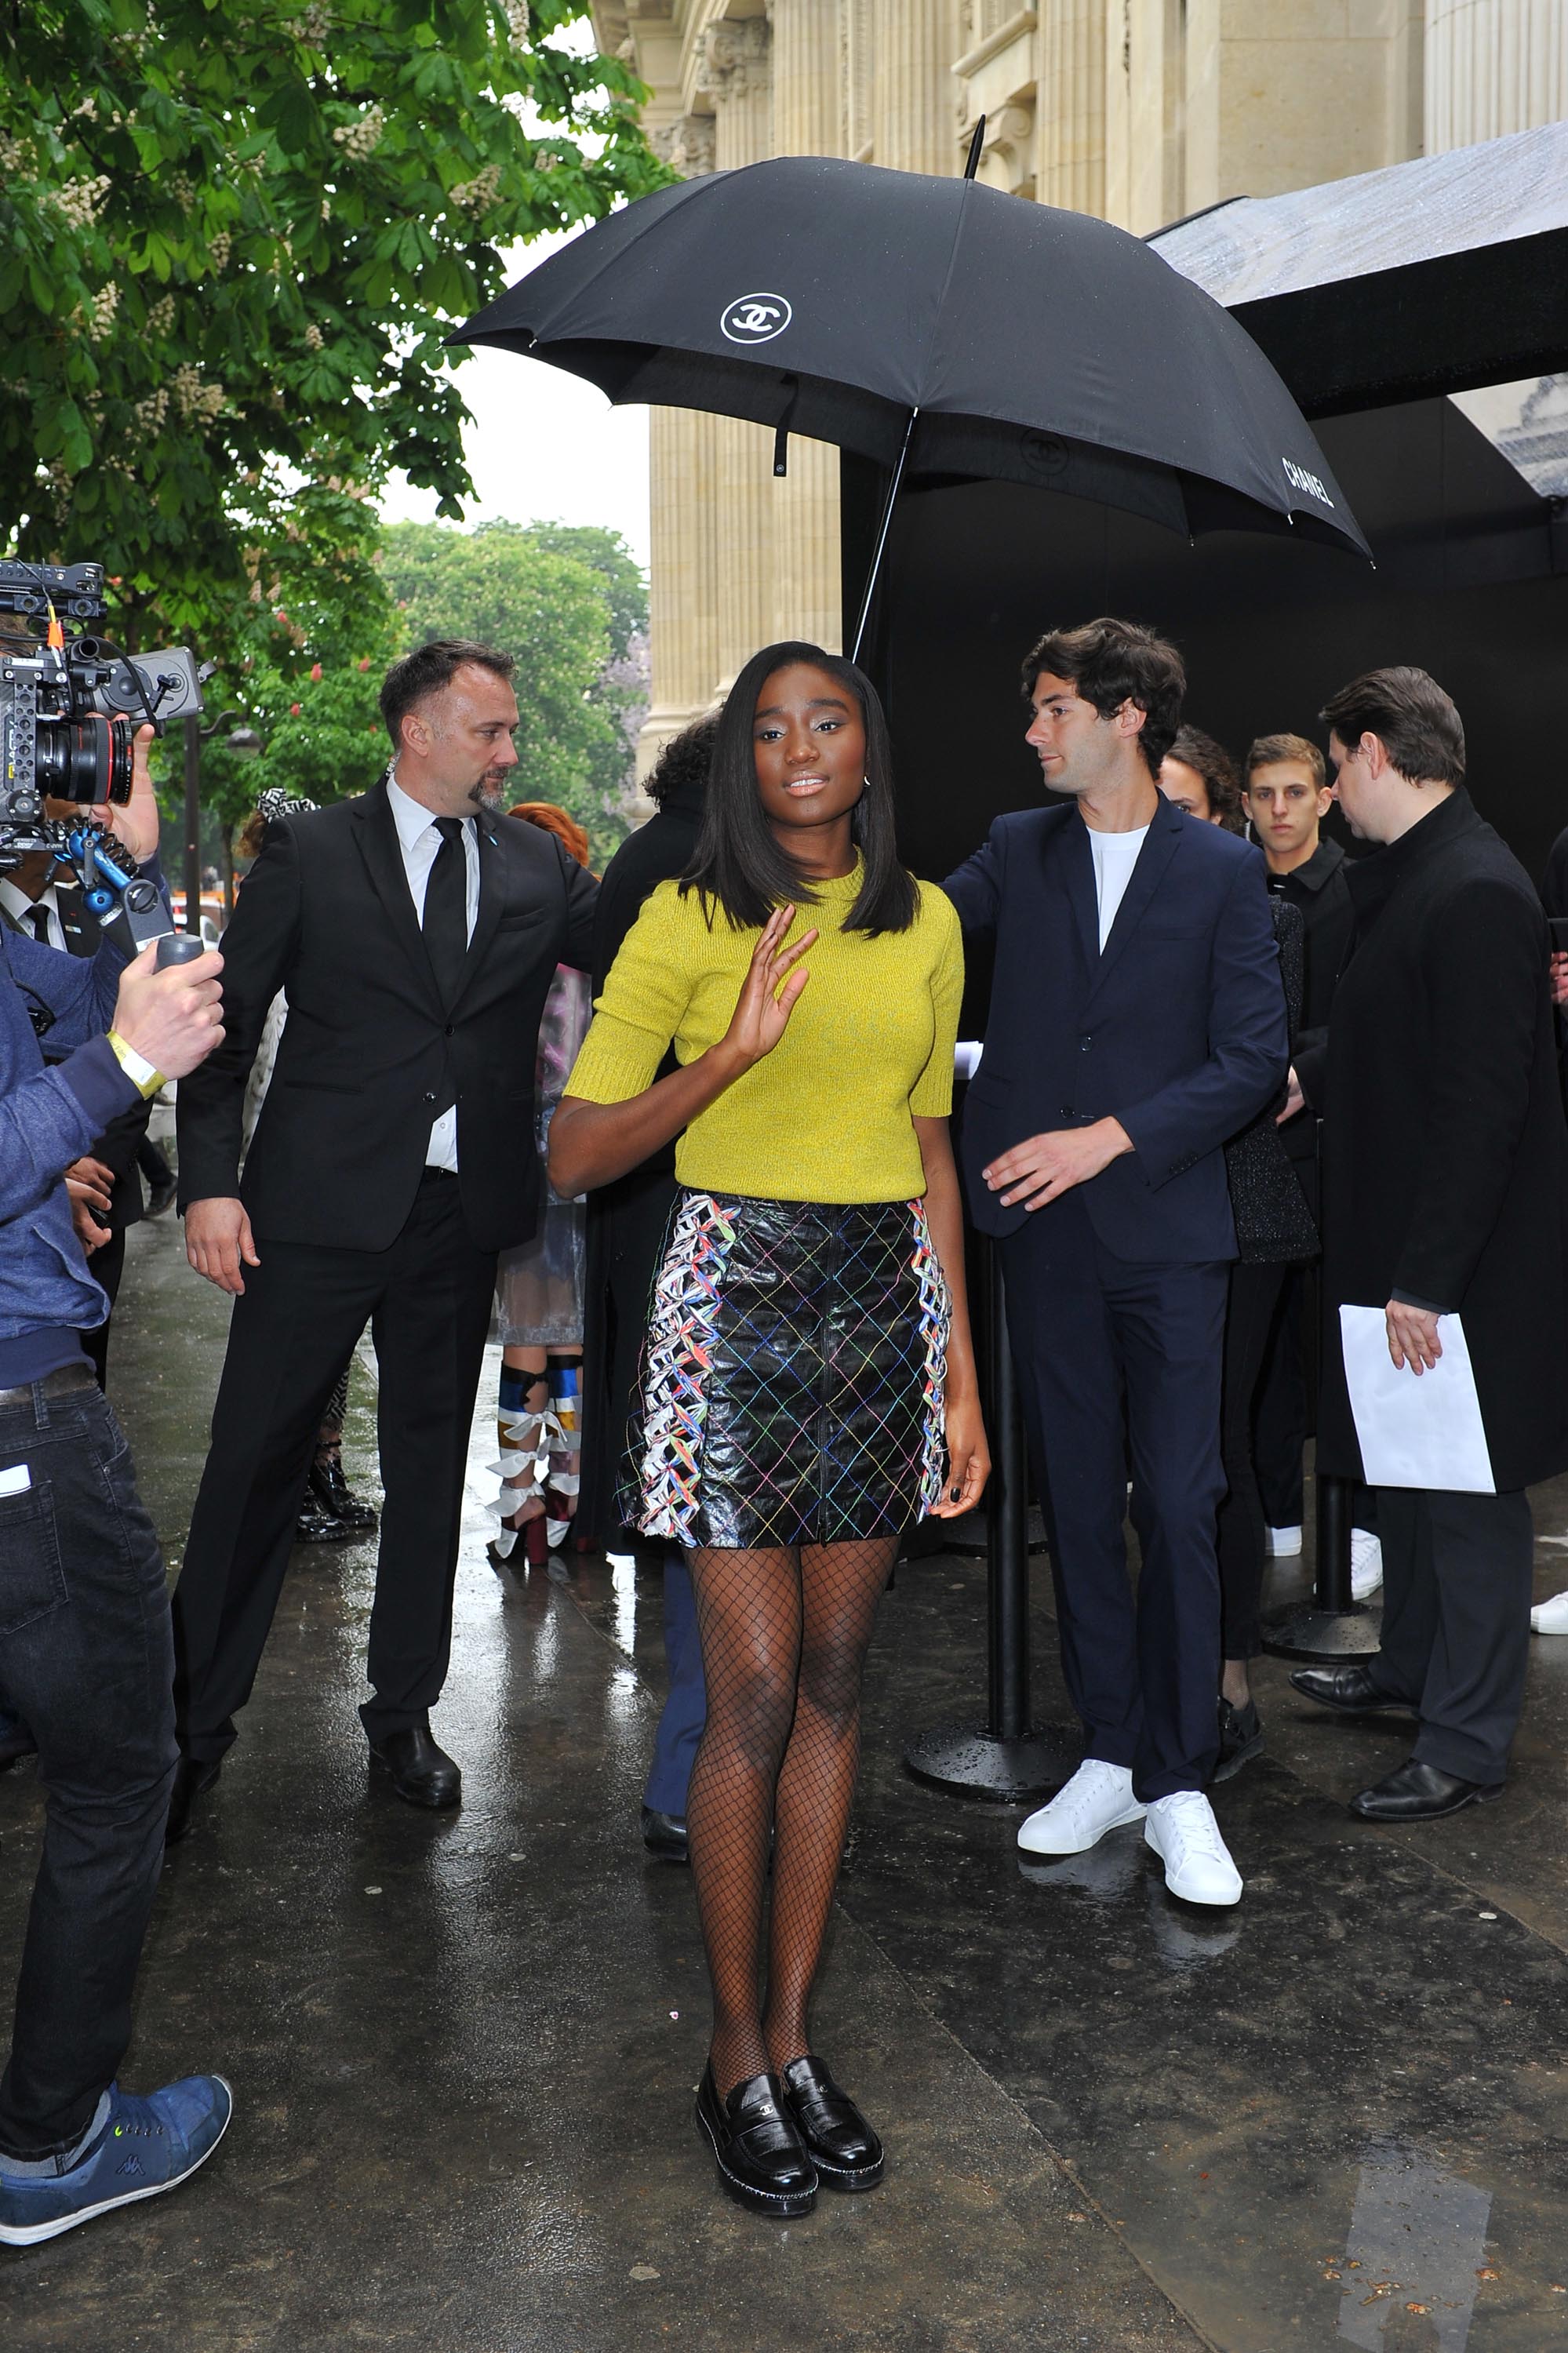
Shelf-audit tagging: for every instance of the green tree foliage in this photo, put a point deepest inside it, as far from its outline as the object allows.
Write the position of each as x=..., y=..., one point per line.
x=548, y=596
x=233, y=234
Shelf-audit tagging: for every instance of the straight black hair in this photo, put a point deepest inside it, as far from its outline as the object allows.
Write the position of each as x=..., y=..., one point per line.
x=738, y=861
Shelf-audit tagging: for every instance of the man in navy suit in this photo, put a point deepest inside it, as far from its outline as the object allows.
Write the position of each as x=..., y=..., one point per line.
x=1136, y=1020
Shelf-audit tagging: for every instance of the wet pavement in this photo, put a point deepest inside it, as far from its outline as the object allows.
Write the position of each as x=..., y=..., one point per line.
x=463, y=2047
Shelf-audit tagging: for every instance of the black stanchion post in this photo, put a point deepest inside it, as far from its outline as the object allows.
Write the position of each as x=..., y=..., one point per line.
x=1006, y=1758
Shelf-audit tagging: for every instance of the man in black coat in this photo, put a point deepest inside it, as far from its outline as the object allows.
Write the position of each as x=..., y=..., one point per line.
x=625, y=1235
x=1286, y=797
x=1446, y=1193
x=415, y=931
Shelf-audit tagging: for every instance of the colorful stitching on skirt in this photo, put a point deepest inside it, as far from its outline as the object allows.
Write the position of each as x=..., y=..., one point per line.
x=679, y=1357
x=936, y=1324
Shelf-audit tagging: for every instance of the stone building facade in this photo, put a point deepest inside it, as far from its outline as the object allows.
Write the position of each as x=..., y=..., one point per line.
x=1141, y=110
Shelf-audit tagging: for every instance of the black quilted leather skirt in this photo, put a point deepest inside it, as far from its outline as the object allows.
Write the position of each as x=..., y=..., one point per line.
x=791, y=1382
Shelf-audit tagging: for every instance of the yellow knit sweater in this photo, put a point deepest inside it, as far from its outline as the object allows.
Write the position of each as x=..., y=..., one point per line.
x=827, y=1115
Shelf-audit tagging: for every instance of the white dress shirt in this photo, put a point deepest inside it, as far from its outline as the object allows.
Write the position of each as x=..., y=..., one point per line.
x=19, y=907
x=420, y=842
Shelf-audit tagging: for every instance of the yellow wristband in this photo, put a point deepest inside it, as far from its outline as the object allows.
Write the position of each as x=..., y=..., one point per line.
x=136, y=1067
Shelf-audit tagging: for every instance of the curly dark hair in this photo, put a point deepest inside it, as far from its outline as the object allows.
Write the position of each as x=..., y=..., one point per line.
x=682, y=765
x=1214, y=764
x=1110, y=662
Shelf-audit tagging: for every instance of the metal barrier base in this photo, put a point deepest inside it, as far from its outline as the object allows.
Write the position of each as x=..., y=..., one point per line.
x=973, y=1763
x=1324, y=1637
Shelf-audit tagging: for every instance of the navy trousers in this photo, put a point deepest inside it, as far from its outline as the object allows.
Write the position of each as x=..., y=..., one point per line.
x=687, y=1706
x=1121, y=1364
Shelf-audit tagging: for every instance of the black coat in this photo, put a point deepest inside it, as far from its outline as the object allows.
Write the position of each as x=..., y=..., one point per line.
x=626, y=1220
x=1445, y=1151
x=370, y=1049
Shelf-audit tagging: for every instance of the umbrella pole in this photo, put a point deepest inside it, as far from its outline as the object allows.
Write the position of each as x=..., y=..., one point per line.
x=971, y=166
x=882, y=530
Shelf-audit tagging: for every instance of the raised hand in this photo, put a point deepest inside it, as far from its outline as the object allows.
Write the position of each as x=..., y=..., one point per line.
x=769, y=993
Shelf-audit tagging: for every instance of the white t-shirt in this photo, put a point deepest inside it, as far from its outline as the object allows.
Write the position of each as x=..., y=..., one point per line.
x=1116, y=855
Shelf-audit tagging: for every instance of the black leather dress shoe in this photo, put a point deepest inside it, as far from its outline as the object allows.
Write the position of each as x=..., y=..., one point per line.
x=841, y=2146
x=665, y=1835
x=331, y=1493
x=1241, y=1739
x=761, y=2157
x=1348, y=1691
x=193, y=1777
x=1420, y=1793
x=422, y=1774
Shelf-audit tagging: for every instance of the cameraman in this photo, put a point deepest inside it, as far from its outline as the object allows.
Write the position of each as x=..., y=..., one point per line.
x=85, y=1652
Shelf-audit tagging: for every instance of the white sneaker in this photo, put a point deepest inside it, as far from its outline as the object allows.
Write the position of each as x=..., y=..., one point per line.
x=1098, y=1798
x=1282, y=1543
x=1183, y=1832
x=1552, y=1617
x=1366, y=1564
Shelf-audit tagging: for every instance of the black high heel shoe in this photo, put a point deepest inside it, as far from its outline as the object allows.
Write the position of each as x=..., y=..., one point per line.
x=841, y=2146
x=761, y=2157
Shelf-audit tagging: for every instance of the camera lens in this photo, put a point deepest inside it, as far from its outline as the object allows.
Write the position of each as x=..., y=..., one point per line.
x=85, y=760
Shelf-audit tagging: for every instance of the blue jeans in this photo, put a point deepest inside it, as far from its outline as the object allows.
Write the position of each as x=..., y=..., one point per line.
x=86, y=1661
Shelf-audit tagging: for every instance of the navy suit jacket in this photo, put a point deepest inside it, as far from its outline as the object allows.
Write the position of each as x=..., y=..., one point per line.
x=1178, y=1029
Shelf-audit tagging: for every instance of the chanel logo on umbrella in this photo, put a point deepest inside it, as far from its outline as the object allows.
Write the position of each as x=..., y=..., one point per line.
x=757, y=318
x=1043, y=454
x=1299, y=479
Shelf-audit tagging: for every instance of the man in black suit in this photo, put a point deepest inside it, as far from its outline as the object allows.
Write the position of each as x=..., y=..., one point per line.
x=1445, y=1193
x=415, y=931
x=1136, y=1020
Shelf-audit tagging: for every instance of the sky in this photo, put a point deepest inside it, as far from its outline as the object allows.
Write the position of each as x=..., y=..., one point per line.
x=543, y=447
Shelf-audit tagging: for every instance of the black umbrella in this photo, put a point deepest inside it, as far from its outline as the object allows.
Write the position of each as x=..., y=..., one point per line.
x=937, y=326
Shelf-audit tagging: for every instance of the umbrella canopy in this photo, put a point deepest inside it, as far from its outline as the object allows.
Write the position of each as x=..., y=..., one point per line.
x=840, y=300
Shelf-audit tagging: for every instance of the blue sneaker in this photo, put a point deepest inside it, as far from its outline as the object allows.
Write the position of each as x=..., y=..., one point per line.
x=147, y=2146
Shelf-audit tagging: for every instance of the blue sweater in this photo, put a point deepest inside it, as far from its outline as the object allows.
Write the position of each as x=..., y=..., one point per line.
x=50, y=1117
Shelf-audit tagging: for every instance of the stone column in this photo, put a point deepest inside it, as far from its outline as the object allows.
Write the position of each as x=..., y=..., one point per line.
x=737, y=69
x=682, y=579
x=808, y=120
x=915, y=109
x=1492, y=67
x=1070, y=110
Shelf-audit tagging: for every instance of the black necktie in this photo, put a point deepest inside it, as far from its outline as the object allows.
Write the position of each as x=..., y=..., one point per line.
x=446, y=907
x=39, y=919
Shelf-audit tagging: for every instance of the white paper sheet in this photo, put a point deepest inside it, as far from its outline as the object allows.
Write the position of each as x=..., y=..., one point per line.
x=1423, y=1431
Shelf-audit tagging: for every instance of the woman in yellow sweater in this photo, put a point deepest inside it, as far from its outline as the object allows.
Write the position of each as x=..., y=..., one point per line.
x=807, y=1386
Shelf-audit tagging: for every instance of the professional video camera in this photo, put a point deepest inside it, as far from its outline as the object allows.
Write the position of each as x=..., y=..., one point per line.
x=62, y=737
x=59, y=735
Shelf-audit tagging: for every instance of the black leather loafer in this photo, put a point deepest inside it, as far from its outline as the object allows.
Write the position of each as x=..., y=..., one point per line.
x=1241, y=1739
x=762, y=2160
x=193, y=1777
x=1420, y=1793
x=841, y=2146
x=665, y=1835
x=1348, y=1691
x=422, y=1773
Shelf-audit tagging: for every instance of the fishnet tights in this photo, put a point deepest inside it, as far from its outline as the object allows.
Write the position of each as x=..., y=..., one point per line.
x=784, y=1637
